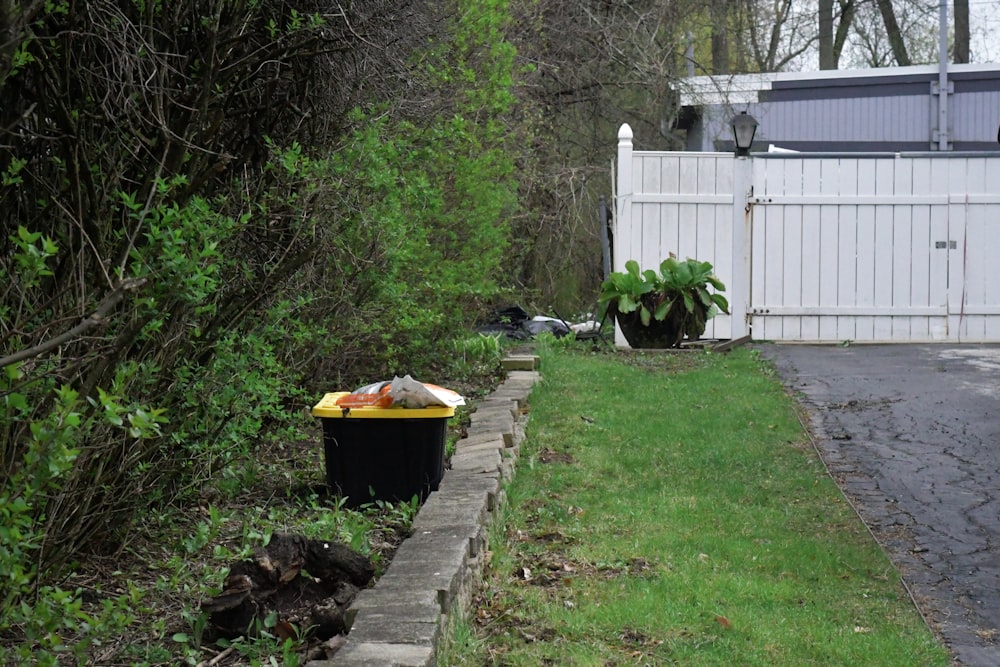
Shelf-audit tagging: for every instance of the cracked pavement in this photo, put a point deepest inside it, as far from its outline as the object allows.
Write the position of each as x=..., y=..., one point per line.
x=912, y=434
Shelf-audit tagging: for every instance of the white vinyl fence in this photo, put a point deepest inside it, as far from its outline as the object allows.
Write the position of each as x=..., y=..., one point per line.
x=823, y=247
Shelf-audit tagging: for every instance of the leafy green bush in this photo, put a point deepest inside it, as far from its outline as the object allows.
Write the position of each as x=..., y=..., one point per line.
x=215, y=229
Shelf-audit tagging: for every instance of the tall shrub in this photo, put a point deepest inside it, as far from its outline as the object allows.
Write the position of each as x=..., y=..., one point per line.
x=211, y=209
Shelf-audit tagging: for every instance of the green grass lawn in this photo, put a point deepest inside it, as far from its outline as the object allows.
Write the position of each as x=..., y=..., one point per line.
x=668, y=509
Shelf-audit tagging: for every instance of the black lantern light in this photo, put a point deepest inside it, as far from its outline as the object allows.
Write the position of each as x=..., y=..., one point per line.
x=744, y=127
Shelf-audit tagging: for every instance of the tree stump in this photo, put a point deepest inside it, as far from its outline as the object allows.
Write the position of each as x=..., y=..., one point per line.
x=293, y=581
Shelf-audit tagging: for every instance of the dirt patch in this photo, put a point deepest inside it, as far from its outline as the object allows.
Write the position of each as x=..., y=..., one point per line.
x=552, y=456
x=670, y=361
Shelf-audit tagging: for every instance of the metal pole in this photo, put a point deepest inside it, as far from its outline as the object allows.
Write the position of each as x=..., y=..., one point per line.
x=604, y=213
x=942, y=134
x=689, y=54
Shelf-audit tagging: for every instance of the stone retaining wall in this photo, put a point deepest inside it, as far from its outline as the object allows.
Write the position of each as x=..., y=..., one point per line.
x=436, y=571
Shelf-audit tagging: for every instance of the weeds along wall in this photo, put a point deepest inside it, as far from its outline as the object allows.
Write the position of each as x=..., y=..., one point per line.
x=212, y=211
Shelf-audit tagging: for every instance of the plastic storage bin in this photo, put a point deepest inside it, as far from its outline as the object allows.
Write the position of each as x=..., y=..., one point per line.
x=387, y=454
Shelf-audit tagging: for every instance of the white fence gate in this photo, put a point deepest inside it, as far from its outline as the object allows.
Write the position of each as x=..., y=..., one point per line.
x=821, y=247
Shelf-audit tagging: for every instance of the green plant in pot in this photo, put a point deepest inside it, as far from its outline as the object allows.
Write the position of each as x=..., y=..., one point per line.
x=661, y=309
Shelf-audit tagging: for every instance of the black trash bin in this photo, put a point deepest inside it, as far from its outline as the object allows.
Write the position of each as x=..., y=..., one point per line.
x=389, y=454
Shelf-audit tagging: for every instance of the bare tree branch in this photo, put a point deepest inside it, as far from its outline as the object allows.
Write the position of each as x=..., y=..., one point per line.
x=95, y=319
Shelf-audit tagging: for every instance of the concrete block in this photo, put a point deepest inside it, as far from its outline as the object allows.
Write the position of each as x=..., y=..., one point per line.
x=392, y=625
x=442, y=548
x=508, y=468
x=381, y=655
x=475, y=533
x=518, y=396
x=502, y=425
x=483, y=461
x=501, y=403
x=423, y=604
x=491, y=443
x=480, y=438
x=460, y=482
x=457, y=480
x=520, y=362
x=422, y=564
x=520, y=379
x=492, y=414
x=459, y=506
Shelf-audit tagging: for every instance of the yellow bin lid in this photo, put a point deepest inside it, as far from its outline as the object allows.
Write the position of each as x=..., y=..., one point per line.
x=328, y=408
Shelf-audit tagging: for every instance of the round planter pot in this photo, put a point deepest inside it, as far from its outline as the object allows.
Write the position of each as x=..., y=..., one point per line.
x=658, y=334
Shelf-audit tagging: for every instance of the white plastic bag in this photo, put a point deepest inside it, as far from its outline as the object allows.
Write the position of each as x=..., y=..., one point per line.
x=409, y=393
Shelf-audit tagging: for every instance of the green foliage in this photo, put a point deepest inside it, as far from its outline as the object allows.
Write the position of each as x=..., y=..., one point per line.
x=48, y=620
x=180, y=252
x=479, y=353
x=49, y=455
x=31, y=256
x=219, y=229
x=546, y=340
x=691, y=279
x=437, y=205
x=626, y=290
x=12, y=175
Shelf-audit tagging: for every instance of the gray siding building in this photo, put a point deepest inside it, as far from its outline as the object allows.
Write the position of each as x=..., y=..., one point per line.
x=878, y=110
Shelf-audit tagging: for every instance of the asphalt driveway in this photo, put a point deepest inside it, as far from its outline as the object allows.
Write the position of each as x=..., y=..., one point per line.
x=912, y=432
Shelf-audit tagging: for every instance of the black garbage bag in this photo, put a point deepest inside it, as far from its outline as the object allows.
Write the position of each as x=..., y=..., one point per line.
x=513, y=322
x=557, y=327
x=514, y=315
x=507, y=321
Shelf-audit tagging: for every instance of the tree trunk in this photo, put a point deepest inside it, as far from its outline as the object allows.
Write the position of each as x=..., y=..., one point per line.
x=893, y=32
x=720, y=37
x=961, y=54
x=826, y=60
x=843, y=29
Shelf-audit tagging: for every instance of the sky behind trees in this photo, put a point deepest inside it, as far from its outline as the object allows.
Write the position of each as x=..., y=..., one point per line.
x=786, y=35
x=984, y=19
x=920, y=20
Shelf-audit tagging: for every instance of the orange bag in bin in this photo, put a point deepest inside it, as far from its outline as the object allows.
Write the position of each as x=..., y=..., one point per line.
x=374, y=395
